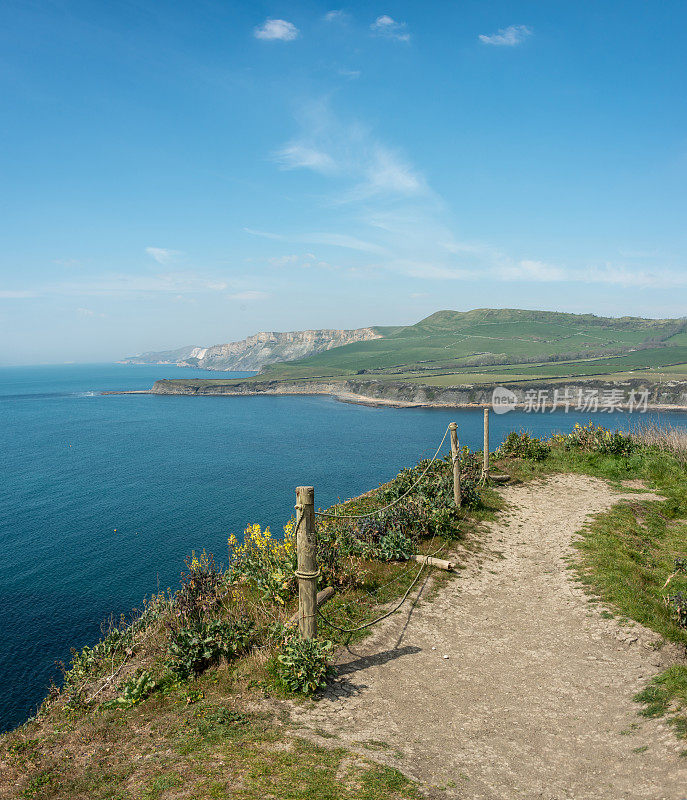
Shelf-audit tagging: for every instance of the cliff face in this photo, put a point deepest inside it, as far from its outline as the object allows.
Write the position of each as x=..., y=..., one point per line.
x=256, y=351
x=670, y=394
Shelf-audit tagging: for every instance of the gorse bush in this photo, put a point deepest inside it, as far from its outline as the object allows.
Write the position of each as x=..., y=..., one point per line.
x=522, y=445
x=302, y=665
x=270, y=563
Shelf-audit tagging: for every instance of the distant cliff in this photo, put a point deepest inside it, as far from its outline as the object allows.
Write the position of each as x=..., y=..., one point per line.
x=256, y=351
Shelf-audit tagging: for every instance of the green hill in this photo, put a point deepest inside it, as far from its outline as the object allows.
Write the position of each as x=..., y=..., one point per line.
x=493, y=341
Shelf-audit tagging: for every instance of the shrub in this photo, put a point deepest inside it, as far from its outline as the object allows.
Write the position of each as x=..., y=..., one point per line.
x=677, y=603
x=302, y=665
x=597, y=439
x=270, y=563
x=201, y=590
x=394, y=545
x=137, y=688
x=193, y=649
x=522, y=445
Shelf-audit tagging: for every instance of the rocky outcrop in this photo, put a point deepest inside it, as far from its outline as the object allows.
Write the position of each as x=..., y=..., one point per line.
x=667, y=395
x=256, y=351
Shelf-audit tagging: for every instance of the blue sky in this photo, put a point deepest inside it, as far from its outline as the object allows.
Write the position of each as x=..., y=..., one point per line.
x=181, y=173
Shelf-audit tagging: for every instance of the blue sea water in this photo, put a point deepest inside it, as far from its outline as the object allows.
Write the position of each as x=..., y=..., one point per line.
x=104, y=495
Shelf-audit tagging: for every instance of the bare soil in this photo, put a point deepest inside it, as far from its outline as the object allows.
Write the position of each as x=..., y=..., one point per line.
x=510, y=683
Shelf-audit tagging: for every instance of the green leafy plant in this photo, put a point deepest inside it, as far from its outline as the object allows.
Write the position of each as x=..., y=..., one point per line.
x=522, y=445
x=597, y=439
x=394, y=545
x=194, y=648
x=137, y=688
x=302, y=665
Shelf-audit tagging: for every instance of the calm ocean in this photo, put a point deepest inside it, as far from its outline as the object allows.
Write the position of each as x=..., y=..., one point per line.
x=104, y=496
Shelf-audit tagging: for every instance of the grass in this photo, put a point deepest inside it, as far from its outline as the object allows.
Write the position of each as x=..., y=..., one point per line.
x=171, y=749
x=666, y=696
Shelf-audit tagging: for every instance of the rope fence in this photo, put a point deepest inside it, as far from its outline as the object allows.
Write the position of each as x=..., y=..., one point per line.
x=306, y=540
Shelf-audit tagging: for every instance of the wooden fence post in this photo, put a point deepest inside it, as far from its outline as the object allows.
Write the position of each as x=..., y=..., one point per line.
x=485, y=468
x=307, y=572
x=455, y=454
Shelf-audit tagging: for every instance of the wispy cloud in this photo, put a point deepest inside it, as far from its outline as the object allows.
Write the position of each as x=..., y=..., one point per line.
x=348, y=151
x=507, y=37
x=297, y=154
x=502, y=269
x=125, y=285
x=250, y=294
x=330, y=239
x=337, y=15
x=88, y=312
x=16, y=294
x=387, y=27
x=162, y=255
x=384, y=211
x=276, y=30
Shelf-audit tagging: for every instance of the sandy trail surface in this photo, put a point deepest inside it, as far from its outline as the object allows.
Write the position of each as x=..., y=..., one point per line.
x=509, y=683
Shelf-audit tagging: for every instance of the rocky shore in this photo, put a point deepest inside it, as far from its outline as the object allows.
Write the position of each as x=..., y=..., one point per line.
x=668, y=396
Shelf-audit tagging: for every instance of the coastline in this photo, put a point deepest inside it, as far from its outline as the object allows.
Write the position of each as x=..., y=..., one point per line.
x=662, y=398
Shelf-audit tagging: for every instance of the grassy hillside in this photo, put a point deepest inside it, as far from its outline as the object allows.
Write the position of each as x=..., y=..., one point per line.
x=496, y=344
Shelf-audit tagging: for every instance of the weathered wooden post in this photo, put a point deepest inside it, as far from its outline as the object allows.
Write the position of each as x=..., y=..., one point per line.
x=307, y=572
x=455, y=454
x=485, y=468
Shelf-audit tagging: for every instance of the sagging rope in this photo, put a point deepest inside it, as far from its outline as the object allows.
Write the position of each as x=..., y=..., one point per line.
x=393, y=502
x=388, y=613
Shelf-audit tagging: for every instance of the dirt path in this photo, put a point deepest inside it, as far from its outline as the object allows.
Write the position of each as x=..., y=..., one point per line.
x=535, y=697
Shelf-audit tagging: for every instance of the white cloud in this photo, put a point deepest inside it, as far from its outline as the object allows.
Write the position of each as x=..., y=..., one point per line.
x=335, y=16
x=284, y=261
x=330, y=239
x=276, y=30
x=343, y=240
x=382, y=209
x=348, y=151
x=295, y=155
x=387, y=172
x=162, y=254
x=507, y=37
x=503, y=269
x=250, y=294
x=388, y=27
x=350, y=73
x=87, y=312
x=16, y=294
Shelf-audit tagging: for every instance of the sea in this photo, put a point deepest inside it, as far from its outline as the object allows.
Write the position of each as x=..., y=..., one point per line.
x=104, y=495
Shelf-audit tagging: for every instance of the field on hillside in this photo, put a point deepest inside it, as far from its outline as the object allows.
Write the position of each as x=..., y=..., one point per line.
x=486, y=346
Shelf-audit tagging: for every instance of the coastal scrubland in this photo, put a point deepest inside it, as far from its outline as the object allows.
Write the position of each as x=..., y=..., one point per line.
x=187, y=698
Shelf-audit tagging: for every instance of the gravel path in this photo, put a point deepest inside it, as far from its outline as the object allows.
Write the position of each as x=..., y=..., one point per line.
x=535, y=697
